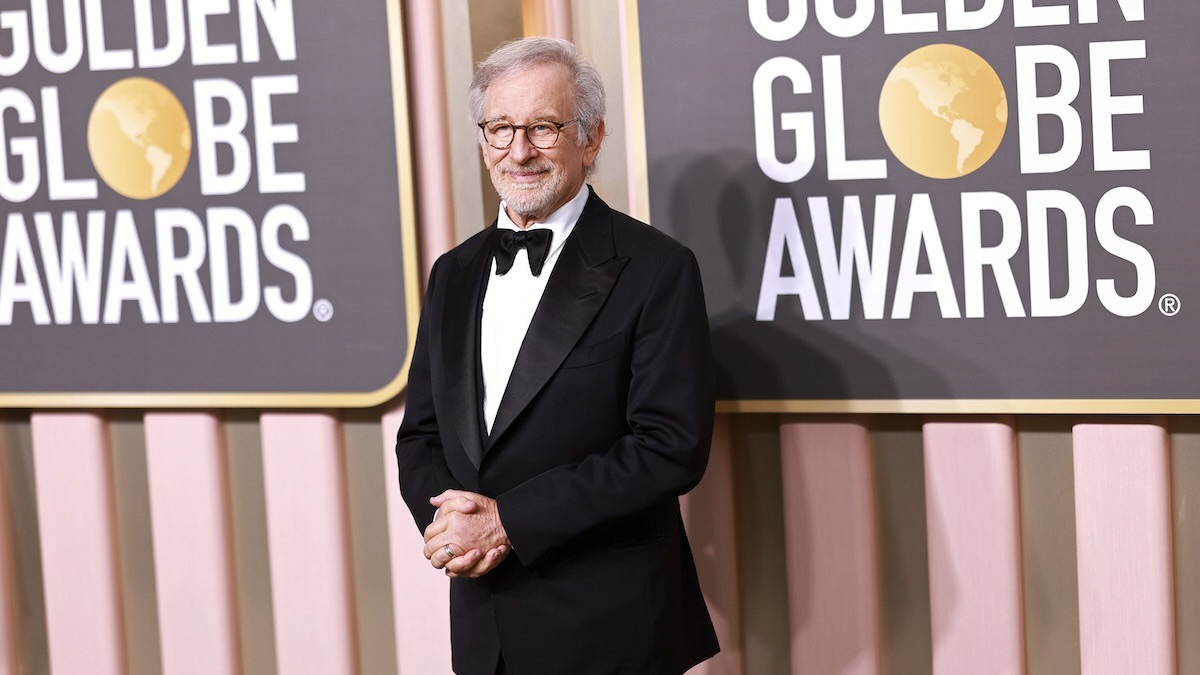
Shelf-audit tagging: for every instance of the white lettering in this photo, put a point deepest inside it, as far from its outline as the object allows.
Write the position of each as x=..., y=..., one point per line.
x=209, y=135
x=127, y=258
x=71, y=273
x=185, y=269
x=1143, y=262
x=1105, y=106
x=785, y=237
x=24, y=148
x=17, y=259
x=958, y=17
x=220, y=220
x=203, y=52
x=838, y=269
x=278, y=217
x=267, y=134
x=277, y=16
x=1030, y=107
x=922, y=233
x=14, y=21
x=150, y=55
x=72, y=53
x=1040, y=203
x=976, y=256
x=60, y=187
x=835, y=130
x=895, y=21
x=799, y=122
x=849, y=26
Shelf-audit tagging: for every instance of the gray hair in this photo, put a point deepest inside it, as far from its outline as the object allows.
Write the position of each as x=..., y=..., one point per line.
x=518, y=55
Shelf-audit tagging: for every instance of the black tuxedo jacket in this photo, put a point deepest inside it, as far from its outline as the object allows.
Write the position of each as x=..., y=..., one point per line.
x=606, y=420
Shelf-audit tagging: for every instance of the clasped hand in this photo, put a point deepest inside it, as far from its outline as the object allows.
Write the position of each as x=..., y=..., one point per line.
x=468, y=525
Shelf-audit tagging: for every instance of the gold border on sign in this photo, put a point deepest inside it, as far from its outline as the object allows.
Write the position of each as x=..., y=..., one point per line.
x=412, y=296
x=639, y=177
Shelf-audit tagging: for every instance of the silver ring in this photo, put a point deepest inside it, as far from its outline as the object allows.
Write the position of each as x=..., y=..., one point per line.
x=448, y=551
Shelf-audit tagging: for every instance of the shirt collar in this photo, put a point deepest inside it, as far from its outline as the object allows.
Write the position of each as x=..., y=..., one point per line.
x=561, y=222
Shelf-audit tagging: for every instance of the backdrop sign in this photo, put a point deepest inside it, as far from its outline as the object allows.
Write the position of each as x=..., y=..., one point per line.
x=927, y=205
x=203, y=203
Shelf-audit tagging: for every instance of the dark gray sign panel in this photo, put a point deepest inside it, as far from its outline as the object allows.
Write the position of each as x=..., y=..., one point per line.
x=933, y=206
x=204, y=204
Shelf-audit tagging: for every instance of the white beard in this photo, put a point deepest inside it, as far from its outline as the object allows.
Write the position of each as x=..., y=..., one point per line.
x=532, y=200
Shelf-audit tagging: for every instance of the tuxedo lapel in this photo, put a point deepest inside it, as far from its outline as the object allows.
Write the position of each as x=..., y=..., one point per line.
x=460, y=342
x=578, y=286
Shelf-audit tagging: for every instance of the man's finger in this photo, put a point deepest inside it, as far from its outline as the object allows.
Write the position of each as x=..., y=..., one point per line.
x=459, y=504
x=447, y=495
x=436, y=527
x=463, y=563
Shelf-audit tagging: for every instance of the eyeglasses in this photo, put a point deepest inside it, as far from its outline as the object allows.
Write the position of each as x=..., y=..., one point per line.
x=542, y=134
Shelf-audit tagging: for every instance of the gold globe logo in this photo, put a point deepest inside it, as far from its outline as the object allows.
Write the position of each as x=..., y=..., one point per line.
x=139, y=138
x=943, y=111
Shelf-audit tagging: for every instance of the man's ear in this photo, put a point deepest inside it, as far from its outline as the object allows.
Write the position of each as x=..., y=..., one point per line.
x=593, y=146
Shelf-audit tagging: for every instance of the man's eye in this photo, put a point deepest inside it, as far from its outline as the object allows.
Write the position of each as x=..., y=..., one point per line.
x=542, y=128
x=501, y=129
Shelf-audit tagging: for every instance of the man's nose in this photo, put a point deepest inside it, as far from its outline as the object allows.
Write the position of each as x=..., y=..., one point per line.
x=521, y=149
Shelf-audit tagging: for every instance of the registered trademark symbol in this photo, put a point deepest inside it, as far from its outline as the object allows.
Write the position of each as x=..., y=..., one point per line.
x=1168, y=304
x=322, y=310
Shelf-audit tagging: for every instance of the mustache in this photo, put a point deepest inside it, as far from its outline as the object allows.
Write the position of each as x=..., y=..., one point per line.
x=531, y=165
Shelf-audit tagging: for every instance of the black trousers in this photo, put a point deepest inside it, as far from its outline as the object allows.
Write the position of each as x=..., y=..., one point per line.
x=501, y=669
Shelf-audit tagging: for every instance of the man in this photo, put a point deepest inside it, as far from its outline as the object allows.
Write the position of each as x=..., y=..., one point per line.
x=559, y=402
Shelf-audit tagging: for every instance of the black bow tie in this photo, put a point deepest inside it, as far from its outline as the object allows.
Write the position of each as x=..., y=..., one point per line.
x=536, y=242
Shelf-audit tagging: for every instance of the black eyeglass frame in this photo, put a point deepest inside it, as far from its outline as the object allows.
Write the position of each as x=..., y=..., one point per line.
x=558, y=127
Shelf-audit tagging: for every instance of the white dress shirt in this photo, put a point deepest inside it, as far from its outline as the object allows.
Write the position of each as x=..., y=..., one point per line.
x=511, y=300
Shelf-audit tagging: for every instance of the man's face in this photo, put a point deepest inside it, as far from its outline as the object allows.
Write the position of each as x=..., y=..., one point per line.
x=534, y=182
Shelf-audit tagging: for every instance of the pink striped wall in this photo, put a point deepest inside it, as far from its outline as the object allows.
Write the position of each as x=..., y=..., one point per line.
x=268, y=542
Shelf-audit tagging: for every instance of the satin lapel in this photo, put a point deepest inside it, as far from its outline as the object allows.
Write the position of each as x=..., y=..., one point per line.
x=460, y=349
x=578, y=287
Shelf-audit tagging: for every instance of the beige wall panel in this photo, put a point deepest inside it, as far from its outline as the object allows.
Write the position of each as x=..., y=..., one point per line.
x=597, y=31
x=829, y=515
x=1123, y=544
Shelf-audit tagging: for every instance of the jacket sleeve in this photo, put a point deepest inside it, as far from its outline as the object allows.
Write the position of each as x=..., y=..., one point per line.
x=419, y=456
x=670, y=419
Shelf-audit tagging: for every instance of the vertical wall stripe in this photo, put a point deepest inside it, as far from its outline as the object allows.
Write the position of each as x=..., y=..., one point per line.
x=1185, y=495
x=596, y=27
x=304, y=486
x=193, y=562
x=974, y=556
x=421, y=593
x=135, y=543
x=9, y=607
x=1123, y=525
x=899, y=464
x=761, y=553
x=29, y=608
x=551, y=18
x=251, y=557
x=366, y=488
x=73, y=483
x=435, y=211
x=1051, y=581
x=829, y=513
x=708, y=515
